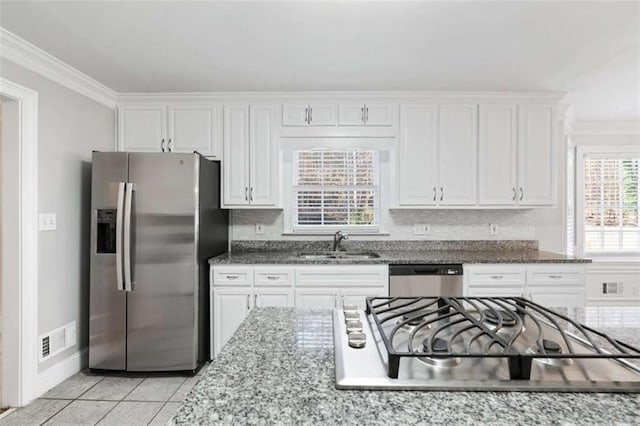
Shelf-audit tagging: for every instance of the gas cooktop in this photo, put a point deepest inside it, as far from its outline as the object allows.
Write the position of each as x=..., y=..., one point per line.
x=478, y=344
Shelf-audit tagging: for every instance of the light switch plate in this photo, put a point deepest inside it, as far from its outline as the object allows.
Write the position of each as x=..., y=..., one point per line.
x=493, y=229
x=421, y=229
x=259, y=228
x=47, y=221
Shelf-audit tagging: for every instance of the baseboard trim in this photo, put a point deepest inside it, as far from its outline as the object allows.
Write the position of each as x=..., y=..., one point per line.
x=61, y=371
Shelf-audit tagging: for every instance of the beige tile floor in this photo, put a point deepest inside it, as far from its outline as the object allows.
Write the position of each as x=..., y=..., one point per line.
x=90, y=399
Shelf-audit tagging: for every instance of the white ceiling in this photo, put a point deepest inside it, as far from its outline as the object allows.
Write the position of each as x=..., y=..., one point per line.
x=591, y=49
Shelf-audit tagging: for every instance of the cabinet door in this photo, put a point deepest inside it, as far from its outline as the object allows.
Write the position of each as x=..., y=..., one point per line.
x=351, y=114
x=497, y=155
x=141, y=129
x=457, y=146
x=279, y=297
x=322, y=115
x=235, y=167
x=417, y=161
x=352, y=296
x=263, y=157
x=294, y=115
x=316, y=298
x=557, y=296
x=193, y=128
x=378, y=115
x=536, y=159
x=230, y=307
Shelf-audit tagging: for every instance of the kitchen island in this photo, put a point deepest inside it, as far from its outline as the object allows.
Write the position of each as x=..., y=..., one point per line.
x=278, y=368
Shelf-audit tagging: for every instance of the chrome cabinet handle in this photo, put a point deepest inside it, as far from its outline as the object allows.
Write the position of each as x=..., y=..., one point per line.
x=555, y=277
x=434, y=193
x=441, y=194
x=362, y=114
x=335, y=301
x=342, y=299
x=272, y=277
x=232, y=277
x=169, y=146
x=248, y=302
x=255, y=300
x=306, y=115
x=514, y=193
x=496, y=277
x=251, y=194
x=310, y=114
x=521, y=193
x=162, y=145
x=119, y=219
x=366, y=114
x=246, y=193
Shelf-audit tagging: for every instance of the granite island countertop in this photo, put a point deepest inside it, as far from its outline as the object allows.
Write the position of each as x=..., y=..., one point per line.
x=279, y=368
x=400, y=257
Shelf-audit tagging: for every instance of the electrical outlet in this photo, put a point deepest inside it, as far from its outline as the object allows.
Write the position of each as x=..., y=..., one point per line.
x=493, y=229
x=421, y=229
x=259, y=228
x=47, y=221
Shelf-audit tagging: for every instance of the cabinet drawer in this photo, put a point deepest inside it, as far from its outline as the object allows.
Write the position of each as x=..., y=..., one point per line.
x=506, y=291
x=342, y=276
x=554, y=275
x=276, y=276
x=232, y=276
x=498, y=277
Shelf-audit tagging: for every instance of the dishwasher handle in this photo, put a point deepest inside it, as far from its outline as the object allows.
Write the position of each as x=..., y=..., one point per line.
x=438, y=269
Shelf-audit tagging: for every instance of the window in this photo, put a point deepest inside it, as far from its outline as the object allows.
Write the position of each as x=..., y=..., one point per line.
x=609, y=198
x=336, y=189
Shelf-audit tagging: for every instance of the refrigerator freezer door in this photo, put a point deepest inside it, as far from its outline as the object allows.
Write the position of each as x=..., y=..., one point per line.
x=107, y=303
x=161, y=307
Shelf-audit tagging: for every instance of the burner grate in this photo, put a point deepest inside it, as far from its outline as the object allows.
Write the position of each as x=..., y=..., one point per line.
x=476, y=327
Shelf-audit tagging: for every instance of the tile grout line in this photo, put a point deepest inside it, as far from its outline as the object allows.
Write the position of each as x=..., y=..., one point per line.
x=177, y=389
x=57, y=412
x=156, y=415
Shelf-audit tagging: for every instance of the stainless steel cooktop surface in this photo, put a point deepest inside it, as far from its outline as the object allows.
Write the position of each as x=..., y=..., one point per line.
x=479, y=344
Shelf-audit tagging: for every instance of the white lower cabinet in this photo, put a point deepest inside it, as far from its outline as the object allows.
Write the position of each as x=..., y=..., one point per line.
x=550, y=285
x=236, y=289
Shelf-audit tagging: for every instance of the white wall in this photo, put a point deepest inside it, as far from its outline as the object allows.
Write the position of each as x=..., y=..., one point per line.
x=70, y=127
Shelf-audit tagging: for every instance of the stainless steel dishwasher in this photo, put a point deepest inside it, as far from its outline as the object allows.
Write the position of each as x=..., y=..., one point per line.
x=425, y=280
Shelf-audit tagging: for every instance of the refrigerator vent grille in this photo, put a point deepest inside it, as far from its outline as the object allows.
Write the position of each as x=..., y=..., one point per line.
x=57, y=340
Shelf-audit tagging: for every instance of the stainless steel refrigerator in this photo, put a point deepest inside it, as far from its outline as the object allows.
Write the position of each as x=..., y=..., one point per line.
x=155, y=221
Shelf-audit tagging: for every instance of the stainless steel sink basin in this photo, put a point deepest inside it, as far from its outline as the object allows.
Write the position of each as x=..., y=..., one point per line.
x=355, y=255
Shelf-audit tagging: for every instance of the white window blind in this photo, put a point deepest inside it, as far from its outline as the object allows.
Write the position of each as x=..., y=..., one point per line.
x=611, y=204
x=336, y=189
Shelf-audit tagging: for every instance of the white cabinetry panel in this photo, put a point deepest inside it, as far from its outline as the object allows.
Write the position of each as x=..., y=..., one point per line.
x=235, y=167
x=193, y=128
x=379, y=114
x=497, y=151
x=351, y=114
x=536, y=159
x=141, y=129
x=457, y=147
x=417, y=156
x=278, y=297
x=229, y=308
x=263, y=157
x=316, y=298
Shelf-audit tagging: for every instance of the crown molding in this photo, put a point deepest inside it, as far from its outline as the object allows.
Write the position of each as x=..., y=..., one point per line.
x=612, y=127
x=25, y=54
x=548, y=96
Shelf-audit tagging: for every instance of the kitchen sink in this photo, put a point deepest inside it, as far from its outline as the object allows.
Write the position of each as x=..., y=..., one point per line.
x=356, y=255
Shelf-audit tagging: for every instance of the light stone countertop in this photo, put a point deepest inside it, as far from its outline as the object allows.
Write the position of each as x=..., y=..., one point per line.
x=279, y=368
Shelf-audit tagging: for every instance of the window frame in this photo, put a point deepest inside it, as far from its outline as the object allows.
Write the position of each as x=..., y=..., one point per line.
x=581, y=152
x=386, y=159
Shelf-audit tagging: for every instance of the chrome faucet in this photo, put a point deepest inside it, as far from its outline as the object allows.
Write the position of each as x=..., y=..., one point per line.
x=337, y=239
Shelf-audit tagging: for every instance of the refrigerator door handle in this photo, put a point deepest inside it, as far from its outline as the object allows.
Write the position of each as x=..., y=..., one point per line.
x=119, y=216
x=127, y=237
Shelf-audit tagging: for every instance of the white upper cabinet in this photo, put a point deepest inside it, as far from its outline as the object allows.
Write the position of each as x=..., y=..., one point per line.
x=250, y=166
x=536, y=159
x=142, y=129
x=437, y=155
x=516, y=155
x=193, y=128
x=353, y=114
x=457, y=146
x=174, y=128
x=497, y=155
x=417, y=155
x=317, y=114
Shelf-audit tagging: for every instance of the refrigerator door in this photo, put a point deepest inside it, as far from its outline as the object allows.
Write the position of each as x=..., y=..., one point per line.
x=161, y=307
x=107, y=299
